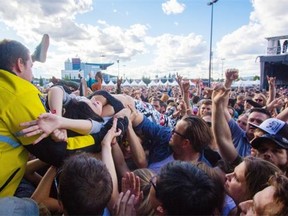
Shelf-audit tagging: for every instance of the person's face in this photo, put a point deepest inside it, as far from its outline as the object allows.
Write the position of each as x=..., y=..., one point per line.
x=235, y=184
x=178, y=135
x=242, y=122
x=247, y=105
x=263, y=203
x=204, y=109
x=255, y=118
x=152, y=193
x=156, y=105
x=271, y=152
x=231, y=112
x=26, y=69
x=259, y=100
x=94, y=104
x=240, y=101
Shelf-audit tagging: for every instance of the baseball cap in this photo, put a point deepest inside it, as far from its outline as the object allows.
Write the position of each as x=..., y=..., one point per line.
x=275, y=130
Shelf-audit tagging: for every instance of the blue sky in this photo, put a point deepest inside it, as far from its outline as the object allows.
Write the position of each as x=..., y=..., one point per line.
x=149, y=37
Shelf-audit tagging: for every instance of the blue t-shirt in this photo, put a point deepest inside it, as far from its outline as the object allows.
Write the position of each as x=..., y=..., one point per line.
x=240, y=139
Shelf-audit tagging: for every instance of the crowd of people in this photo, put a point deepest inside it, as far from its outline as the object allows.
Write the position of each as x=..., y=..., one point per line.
x=88, y=149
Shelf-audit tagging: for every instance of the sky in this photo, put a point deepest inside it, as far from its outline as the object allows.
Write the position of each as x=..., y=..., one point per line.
x=148, y=37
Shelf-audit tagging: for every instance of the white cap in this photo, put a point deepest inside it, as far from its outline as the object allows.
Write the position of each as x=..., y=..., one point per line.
x=271, y=126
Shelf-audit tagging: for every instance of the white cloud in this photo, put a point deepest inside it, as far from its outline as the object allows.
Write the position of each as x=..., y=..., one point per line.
x=241, y=47
x=186, y=54
x=172, y=7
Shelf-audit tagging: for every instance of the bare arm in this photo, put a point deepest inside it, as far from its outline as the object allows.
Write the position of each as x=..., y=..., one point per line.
x=272, y=89
x=107, y=158
x=220, y=126
x=42, y=192
x=138, y=153
x=186, y=86
x=48, y=123
x=55, y=100
x=31, y=171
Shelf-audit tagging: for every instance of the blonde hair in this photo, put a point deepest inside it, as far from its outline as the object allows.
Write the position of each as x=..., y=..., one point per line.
x=145, y=176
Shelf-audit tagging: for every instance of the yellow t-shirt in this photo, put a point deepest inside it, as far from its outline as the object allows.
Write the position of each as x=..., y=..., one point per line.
x=19, y=102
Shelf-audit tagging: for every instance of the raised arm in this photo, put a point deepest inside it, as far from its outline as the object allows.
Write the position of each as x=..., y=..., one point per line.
x=272, y=89
x=220, y=126
x=179, y=79
x=107, y=158
x=42, y=192
x=31, y=171
x=186, y=86
x=230, y=76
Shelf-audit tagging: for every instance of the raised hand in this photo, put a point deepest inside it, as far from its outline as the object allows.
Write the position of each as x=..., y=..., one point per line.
x=111, y=135
x=178, y=78
x=131, y=183
x=220, y=94
x=125, y=204
x=186, y=85
x=232, y=74
x=271, y=81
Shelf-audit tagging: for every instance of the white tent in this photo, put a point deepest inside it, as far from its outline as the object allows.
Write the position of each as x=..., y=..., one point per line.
x=174, y=83
x=141, y=83
x=104, y=83
x=110, y=83
x=152, y=83
x=134, y=83
x=126, y=83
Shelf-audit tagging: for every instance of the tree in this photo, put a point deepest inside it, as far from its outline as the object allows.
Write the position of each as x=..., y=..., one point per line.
x=146, y=80
x=41, y=83
x=256, y=77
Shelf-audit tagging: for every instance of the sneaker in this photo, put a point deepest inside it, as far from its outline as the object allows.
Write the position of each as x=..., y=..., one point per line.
x=40, y=52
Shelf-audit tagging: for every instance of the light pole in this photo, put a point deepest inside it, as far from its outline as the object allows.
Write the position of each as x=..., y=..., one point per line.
x=211, y=3
x=222, y=59
x=118, y=66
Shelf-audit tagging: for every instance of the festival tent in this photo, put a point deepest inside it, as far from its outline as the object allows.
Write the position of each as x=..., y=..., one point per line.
x=245, y=83
x=174, y=83
x=134, y=83
x=141, y=83
x=152, y=83
x=104, y=83
x=110, y=83
x=126, y=83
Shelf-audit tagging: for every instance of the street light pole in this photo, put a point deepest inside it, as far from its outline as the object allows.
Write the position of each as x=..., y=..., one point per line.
x=118, y=67
x=222, y=68
x=211, y=3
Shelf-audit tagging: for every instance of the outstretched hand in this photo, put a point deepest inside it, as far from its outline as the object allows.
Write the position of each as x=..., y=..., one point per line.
x=43, y=126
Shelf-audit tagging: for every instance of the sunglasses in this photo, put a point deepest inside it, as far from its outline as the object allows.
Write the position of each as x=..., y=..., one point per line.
x=179, y=134
x=153, y=182
x=258, y=100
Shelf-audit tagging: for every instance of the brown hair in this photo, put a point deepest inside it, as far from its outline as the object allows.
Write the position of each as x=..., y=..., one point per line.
x=198, y=132
x=257, y=174
x=280, y=182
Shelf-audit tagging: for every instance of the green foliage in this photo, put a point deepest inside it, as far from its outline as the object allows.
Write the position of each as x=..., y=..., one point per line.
x=256, y=77
x=146, y=80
